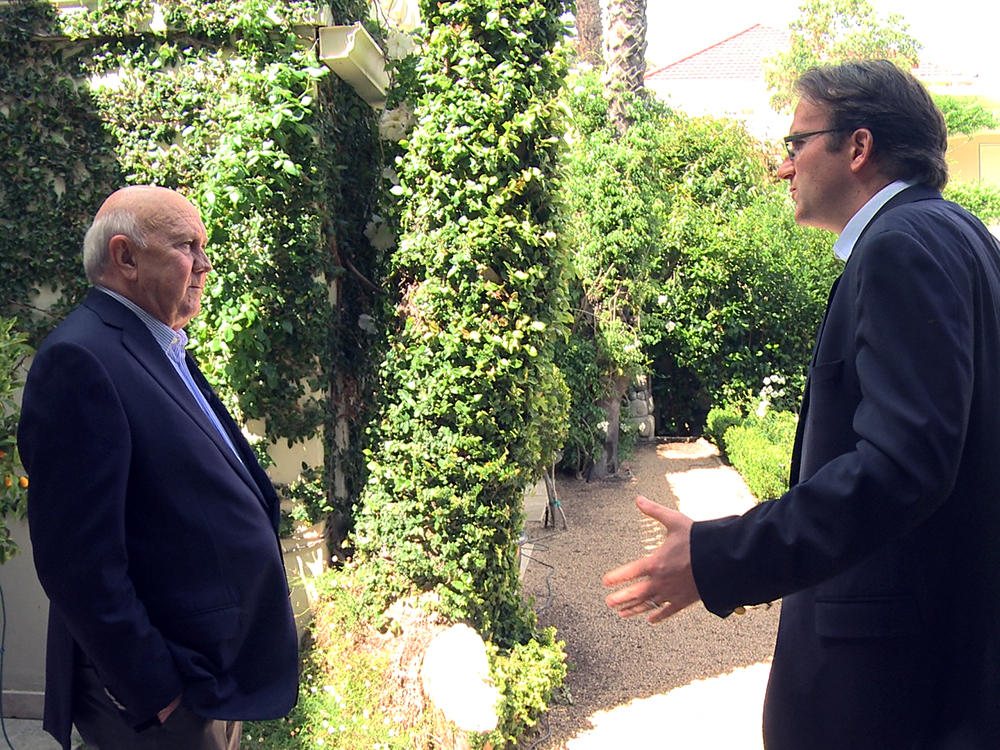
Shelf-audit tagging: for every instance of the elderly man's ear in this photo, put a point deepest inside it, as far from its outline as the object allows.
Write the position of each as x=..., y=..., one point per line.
x=122, y=254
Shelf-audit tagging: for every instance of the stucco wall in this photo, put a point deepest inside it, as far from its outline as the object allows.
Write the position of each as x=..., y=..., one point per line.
x=976, y=158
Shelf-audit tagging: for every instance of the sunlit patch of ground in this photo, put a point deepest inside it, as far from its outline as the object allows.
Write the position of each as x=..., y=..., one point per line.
x=722, y=713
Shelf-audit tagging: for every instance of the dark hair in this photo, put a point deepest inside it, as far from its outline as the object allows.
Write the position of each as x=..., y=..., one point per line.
x=909, y=133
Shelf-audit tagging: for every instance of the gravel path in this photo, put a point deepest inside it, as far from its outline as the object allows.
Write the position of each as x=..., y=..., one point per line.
x=694, y=682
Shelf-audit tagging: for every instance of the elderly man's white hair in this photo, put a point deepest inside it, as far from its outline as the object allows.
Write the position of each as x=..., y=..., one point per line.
x=98, y=237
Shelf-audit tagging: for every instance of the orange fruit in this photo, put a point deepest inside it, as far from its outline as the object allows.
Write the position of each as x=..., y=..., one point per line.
x=23, y=481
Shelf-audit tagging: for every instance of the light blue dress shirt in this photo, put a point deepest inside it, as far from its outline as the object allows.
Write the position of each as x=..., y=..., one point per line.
x=173, y=342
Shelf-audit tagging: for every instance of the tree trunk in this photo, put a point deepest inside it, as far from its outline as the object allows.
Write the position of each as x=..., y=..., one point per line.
x=624, y=55
x=608, y=463
x=588, y=32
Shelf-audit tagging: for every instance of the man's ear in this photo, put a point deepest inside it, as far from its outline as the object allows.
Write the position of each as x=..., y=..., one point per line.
x=862, y=146
x=122, y=254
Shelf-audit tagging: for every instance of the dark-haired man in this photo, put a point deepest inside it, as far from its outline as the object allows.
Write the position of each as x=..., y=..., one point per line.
x=886, y=548
x=153, y=527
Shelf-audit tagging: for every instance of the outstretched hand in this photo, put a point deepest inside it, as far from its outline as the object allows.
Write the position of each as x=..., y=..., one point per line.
x=660, y=584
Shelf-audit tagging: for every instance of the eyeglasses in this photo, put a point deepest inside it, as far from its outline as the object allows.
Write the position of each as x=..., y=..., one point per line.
x=794, y=138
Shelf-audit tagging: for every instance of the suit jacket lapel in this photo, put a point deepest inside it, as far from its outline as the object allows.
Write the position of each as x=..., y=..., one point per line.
x=908, y=195
x=139, y=342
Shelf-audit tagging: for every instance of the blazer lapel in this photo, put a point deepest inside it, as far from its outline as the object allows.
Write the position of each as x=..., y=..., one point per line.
x=139, y=342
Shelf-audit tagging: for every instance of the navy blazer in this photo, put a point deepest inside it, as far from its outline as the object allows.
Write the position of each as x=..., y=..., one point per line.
x=886, y=548
x=156, y=546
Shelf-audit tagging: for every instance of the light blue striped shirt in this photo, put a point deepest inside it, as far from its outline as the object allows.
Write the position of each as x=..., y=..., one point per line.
x=172, y=343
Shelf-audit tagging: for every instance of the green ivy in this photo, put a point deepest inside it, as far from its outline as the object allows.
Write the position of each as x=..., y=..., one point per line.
x=223, y=101
x=473, y=406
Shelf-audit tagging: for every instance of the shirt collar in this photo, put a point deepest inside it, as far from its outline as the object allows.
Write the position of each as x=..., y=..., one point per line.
x=844, y=245
x=165, y=336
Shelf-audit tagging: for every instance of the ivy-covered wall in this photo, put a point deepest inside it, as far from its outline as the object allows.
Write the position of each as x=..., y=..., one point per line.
x=225, y=101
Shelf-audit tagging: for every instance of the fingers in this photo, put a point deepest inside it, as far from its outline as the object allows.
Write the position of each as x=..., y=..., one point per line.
x=630, y=571
x=660, y=584
x=634, y=607
x=667, y=610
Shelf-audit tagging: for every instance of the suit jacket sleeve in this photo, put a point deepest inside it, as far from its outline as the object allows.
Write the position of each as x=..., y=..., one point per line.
x=76, y=444
x=883, y=434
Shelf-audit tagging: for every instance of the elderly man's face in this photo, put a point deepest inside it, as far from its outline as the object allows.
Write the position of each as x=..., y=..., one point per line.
x=171, y=270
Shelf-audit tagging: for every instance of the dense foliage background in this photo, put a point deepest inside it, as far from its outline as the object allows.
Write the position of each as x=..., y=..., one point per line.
x=448, y=291
x=683, y=224
x=473, y=406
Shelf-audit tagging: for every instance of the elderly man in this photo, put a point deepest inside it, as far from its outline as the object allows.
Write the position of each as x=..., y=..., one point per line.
x=152, y=524
x=886, y=548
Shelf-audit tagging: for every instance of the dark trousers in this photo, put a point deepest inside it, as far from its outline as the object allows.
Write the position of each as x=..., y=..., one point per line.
x=102, y=727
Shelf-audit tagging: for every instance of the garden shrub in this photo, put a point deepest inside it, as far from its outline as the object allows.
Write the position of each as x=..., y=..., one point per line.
x=760, y=449
x=720, y=419
x=526, y=676
x=473, y=406
x=13, y=481
x=349, y=695
x=979, y=198
x=688, y=253
x=743, y=299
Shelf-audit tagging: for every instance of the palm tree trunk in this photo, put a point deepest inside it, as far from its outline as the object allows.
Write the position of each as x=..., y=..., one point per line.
x=625, y=55
x=588, y=32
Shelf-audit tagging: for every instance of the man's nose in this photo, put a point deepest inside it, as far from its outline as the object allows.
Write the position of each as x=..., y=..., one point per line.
x=201, y=263
x=787, y=169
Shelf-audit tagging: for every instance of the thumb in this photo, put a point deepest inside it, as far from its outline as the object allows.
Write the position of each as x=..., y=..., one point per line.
x=654, y=510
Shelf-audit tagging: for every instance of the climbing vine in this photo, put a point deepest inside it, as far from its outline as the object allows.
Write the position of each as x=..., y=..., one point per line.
x=226, y=102
x=13, y=481
x=473, y=405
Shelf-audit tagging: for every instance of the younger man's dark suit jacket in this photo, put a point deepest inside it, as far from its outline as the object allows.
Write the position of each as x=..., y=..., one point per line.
x=156, y=546
x=887, y=546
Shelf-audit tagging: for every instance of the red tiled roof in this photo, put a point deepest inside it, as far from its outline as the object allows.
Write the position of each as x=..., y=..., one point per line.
x=739, y=56
x=742, y=55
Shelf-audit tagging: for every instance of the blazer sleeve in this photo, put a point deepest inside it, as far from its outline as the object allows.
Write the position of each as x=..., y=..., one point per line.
x=75, y=442
x=906, y=332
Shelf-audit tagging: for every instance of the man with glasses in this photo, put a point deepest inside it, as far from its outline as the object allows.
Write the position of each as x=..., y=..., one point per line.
x=886, y=548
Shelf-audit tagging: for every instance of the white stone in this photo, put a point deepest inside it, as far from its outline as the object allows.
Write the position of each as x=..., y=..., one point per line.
x=456, y=679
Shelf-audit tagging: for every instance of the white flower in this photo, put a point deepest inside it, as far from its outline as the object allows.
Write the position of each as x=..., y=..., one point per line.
x=395, y=123
x=399, y=45
x=380, y=235
x=366, y=323
x=157, y=23
x=390, y=174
